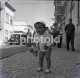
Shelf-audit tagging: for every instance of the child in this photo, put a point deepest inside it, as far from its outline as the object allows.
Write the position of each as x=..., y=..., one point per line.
x=44, y=45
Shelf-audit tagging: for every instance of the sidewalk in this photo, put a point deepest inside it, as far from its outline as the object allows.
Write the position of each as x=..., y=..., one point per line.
x=9, y=50
x=65, y=64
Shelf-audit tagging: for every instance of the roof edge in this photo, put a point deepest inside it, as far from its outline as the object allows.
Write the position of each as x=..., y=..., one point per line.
x=9, y=6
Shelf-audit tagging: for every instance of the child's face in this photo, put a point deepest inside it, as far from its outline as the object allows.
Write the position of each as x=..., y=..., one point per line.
x=40, y=29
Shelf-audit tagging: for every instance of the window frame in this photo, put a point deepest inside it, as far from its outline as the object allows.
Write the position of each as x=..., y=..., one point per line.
x=7, y=18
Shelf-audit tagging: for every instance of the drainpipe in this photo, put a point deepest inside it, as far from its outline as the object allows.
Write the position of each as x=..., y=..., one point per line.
x=78, y=8
x=71, y=9
x=78, y=14
x=78, y=11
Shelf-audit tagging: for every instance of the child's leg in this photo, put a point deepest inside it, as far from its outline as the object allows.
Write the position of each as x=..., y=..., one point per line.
x=41, y=58
x=48, y=59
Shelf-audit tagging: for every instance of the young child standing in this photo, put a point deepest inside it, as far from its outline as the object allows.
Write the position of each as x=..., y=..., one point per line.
x=44, y=44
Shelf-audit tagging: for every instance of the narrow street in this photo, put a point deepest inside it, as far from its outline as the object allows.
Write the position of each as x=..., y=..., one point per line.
x=65, y=64
x=44, y=22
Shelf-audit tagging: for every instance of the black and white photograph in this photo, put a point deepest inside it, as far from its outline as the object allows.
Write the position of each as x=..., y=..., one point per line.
x=39, y=38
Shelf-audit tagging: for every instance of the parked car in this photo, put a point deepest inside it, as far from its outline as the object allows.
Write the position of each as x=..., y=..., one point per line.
x=18, y=39
x=14, y=39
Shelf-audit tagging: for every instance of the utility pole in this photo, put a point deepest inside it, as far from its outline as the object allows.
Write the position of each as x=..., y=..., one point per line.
x=26, y=24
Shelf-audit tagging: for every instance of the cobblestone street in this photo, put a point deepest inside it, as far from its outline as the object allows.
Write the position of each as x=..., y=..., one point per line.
x=65, y=64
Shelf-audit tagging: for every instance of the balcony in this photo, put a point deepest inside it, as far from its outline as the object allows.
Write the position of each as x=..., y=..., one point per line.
x=9, y=6
x=59, y=10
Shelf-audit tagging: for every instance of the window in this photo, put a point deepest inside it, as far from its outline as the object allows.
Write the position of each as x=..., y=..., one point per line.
x=6, y=35
x=7, y=18
x=11, y=20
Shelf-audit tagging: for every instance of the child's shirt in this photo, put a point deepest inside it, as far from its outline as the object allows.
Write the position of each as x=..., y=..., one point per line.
x=42, y=40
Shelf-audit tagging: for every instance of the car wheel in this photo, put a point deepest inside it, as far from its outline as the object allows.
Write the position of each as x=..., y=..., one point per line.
x=10, y=43
x=16, y=43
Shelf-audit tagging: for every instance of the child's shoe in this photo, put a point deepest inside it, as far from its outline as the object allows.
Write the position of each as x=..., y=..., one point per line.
x=39, y=69
x=47, y=71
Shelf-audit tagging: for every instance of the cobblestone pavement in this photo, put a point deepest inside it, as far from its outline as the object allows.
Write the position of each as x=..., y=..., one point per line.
x=65, y=64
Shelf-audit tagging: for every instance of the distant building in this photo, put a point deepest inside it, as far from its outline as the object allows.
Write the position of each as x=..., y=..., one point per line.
x=19, y=32
x=22, y=26
x=6, y=20
x=65, y=10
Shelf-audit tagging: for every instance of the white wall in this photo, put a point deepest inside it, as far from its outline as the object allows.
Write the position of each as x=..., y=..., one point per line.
x=4, y=25
x=2, y=21
x=20, y=28
x=8, y=26
x=10, y=12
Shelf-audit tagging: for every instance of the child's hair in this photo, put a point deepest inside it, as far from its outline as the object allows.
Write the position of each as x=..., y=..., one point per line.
x=40, y=23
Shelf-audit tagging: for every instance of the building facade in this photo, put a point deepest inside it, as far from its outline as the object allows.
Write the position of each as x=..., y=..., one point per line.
x=20, y=26
x=6, y=20
x=65, y=10
x=78, y=25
